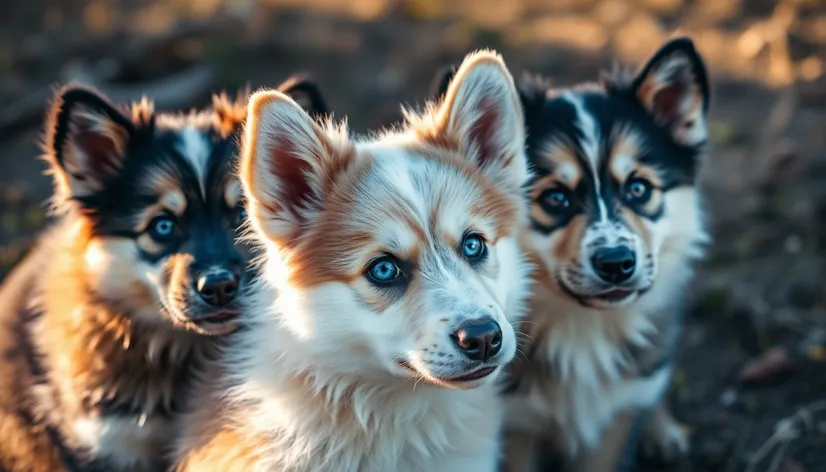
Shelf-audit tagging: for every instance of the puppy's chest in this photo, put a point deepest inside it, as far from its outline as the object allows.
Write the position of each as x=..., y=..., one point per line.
x=433, y=438
x=581, y=398
x=115, y=408
x=127, y=442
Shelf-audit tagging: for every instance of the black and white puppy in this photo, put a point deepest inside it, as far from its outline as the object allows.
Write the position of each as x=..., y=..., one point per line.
x=616, y=221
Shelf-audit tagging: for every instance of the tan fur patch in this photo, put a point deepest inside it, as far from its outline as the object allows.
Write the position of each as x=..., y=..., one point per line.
x=95, y=358
x=560, y=156
x=172, y=200
x=627, y=148
x=232, y=193
x=568, y=245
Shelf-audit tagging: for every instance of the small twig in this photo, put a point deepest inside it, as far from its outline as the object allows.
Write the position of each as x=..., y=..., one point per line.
x=741, y=446
x=784, y=433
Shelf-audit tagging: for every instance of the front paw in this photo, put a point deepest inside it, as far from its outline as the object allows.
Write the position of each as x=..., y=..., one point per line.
x=664, y=439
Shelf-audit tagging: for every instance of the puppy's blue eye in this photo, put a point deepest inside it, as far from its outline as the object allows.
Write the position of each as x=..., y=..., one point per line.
x=240, y=216
x=162, y=228
x=638, y=191
x=558, y=200
x=473, y=246
x=383, y=270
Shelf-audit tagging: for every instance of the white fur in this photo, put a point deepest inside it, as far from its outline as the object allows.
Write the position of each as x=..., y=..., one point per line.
x=195, y=148
x=590, y=144
x=129, y=443
x=588, y=361
x=318, y=375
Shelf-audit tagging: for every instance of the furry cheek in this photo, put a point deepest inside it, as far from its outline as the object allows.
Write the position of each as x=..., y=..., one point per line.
x=681, y=227
x=120, y=275
x=509, y=257
x=334, y=324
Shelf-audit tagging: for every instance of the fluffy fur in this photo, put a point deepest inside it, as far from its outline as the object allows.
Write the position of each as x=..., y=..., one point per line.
x=106, y=324
x=381, y=256
x=616, y=222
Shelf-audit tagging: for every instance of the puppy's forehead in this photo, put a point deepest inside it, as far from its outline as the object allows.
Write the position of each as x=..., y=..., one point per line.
x=192, y=160
x=405, y=198
x=579, y=133
x=420, y=184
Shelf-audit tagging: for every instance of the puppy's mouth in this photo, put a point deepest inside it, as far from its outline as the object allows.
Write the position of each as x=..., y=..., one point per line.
x=220, y=322
x=211, y=323
x=465, y=381
x=613, y=298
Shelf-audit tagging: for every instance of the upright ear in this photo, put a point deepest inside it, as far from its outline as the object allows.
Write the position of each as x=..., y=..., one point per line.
x=230, y=113
x=288, y=160
x=482, y=115
x=440, y=83
x=86, y=141
x=307, y=94
x=673, y=87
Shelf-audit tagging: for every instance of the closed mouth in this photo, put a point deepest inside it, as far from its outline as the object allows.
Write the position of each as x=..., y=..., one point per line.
x=615, y=295
x=610, y=297
x=475, y=375
x=220, y=317
x=469, y=377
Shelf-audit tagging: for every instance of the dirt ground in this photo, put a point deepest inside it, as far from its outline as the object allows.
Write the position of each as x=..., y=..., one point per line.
x=760, y=289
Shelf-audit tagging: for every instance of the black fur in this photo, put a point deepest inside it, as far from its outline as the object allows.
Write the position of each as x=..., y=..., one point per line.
x=609, y=101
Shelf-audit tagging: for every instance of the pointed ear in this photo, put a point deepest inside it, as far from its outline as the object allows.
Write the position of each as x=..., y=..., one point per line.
x=481, y=113
x=306, y=92
x=230, y=113
x=440, y=83
x=288, y=160
x=86, y=141
x=673, y=87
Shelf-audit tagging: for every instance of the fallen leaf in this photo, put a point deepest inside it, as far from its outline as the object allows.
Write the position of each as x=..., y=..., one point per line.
x=771, y=364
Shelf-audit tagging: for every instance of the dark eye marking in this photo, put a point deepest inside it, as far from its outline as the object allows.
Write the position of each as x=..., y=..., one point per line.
x=384, y=271
x=239, y=216
x=638, y=191
x=163, y=228
x=556, y=201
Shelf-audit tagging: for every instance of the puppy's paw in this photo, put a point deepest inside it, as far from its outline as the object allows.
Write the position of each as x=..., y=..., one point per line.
x=664, y=439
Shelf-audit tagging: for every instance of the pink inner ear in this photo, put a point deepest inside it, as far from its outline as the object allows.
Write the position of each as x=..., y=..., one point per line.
x=100, y=150
x=291, y=172
x=484, y=130
x=666, y=102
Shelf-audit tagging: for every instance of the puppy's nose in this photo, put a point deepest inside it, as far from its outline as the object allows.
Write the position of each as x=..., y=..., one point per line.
x=218, y=287
x=614, y=264
x=480, y=339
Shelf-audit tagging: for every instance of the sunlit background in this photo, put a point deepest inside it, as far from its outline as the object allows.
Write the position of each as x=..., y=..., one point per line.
x=761, y=289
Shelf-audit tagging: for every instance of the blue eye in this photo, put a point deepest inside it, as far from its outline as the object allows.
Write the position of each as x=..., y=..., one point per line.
x=240, y=216
x=638, y=191
x=383, y=270
x=162, y=228
x=557, y=200
x=473, y=246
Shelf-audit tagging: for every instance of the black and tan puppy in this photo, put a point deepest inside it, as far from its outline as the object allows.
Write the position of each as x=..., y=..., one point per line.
x=108, y=322
x=616, y=220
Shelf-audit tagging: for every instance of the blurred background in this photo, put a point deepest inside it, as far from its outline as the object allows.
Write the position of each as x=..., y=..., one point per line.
x=751, y=382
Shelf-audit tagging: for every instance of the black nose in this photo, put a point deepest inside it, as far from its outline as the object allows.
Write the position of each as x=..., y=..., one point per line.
x=614, y=264
x=479, y=339
x=218, y=288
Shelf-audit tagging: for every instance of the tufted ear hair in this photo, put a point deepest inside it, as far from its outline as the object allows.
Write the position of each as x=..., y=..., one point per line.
x=441, y=81
x=307, y=93
x=481, y=113
x=673, y=88
x=87, y=138
x=288, y=160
